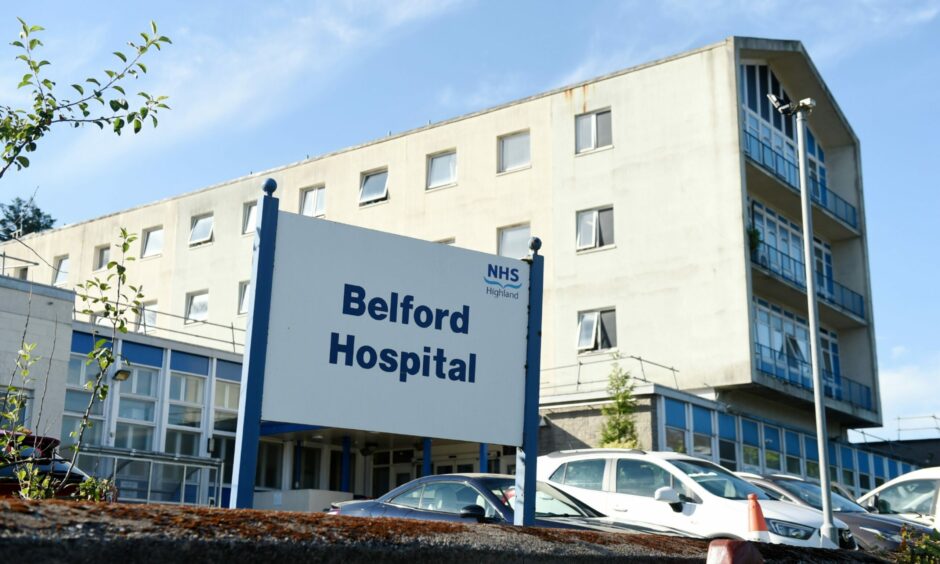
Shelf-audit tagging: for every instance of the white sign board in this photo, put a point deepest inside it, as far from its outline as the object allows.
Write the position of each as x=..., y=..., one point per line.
x=379, y=332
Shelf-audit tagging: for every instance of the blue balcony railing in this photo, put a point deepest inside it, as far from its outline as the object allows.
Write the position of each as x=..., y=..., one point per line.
x=797, y=372
x=792, y=270
x=774, y=162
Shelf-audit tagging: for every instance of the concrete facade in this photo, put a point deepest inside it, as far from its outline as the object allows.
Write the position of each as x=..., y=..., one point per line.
x=686, y=172
x=42, y=316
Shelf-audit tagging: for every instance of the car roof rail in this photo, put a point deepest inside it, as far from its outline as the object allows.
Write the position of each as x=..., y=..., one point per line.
x=560, y=453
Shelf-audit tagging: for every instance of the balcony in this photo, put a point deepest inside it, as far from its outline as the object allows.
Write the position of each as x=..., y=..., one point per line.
x=797, y=372
x=792, y=271
x=774, y=163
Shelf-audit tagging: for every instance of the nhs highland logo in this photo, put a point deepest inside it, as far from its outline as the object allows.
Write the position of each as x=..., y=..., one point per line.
x=502, y=282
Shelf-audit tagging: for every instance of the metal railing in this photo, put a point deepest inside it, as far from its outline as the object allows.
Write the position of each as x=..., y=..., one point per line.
x=154, y=477
x=799, y=373
x=792, y=270
x=775, y=163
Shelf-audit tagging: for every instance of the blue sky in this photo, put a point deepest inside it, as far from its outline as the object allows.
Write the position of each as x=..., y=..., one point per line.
x=255, y=85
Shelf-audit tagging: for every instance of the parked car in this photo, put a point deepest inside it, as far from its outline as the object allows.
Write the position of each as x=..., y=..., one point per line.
x=871, y=532
x=912, y=496
x=485, y=498
x=41, y=452
x=686, y=493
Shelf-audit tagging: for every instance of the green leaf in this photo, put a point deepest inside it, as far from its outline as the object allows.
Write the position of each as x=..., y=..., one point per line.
x=93, y=81
x=33, y=43
x=110, y=73
x=119, y=89
x=23, y=161
x=153, y=118
x=118, y=125
x=115, y=105
x=121, y=56
x=18, y=44
x=153, y=27
x=36, y=28
x=79, y=88
x=142, y=67
x=165, y=39
x=137, y=125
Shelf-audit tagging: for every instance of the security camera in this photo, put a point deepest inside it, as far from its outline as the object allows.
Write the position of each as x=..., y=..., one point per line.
x=784, y=109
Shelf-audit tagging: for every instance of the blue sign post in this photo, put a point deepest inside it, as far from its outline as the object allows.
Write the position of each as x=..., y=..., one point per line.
x=526, y=457
x=256, y=347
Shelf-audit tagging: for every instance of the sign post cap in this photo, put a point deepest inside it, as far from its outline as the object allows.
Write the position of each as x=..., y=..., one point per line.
x=269, y=186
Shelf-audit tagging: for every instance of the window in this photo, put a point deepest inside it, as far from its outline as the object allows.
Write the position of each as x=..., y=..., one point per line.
x=588, y=474
x=226, y=405
x=911, y=496
x=597, y=330
x=592, y=131
x=153, y=242
x=147, y=318
x=727, y=441
x=513, y=151
x=514, y=241
x=268, y=473
x=137, y=409
x=186, y=400
x=61, y=274
x=675, y=425
x=102, y=256
x=77, y=397
x=794, y=462
x=309, y=468
x=197, y=306
x=223, y=448
x=750, y=450
x=641, y=478
x=249, y=217
x=595, y=228
x=442, y=169
x=772, y=448
x=811, y=448
x=701, y=431
x=313, y=202
x=21, y=273
x=201, y=230
x=182, y=442
x=374, y=187
x=243, y=288
x=411, y=498
x=848, y=466
x=14, y=399
x=864, y=471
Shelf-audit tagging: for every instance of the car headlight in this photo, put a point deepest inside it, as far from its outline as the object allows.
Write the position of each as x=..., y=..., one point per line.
x=790, y=530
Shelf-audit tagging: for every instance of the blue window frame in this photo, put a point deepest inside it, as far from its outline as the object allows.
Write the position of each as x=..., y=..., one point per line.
x=892, y=468
x=879, y=466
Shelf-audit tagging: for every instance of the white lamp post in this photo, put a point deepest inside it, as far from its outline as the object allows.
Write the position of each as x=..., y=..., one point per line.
x=801, y=110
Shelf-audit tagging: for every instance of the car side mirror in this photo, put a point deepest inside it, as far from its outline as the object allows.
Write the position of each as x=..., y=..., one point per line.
x=667, y=495
x=473, y=512
x=872, y=504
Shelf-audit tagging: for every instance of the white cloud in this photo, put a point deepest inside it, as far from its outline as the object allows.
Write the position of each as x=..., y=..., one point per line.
x=487, y=92
x=908, y=391
x=234, y=83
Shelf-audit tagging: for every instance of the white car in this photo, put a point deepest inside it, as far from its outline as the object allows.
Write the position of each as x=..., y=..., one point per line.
x=682, y=492
x=913, y=496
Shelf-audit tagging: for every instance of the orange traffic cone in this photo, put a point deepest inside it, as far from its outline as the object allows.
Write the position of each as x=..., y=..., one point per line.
x=756, y=525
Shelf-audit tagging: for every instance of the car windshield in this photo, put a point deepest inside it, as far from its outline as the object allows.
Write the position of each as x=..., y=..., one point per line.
x=717, y=480
x=549, y=502
x=812, y=495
